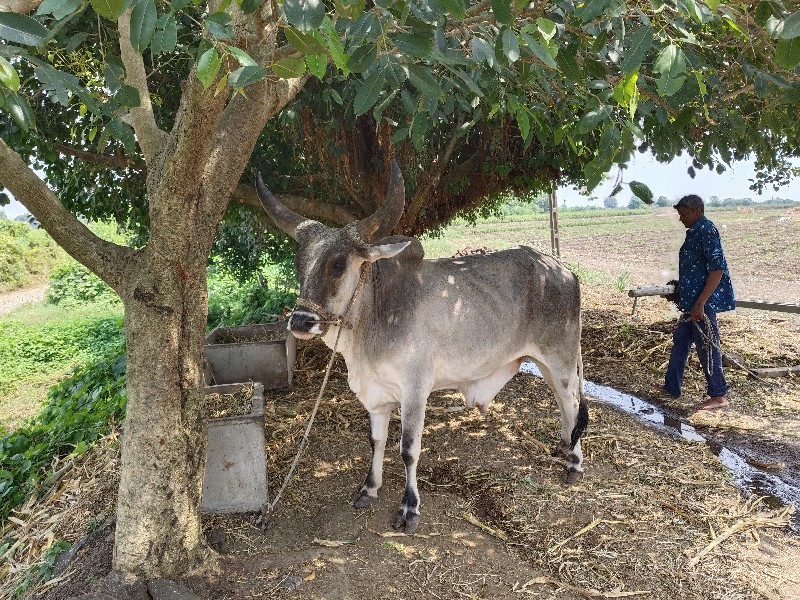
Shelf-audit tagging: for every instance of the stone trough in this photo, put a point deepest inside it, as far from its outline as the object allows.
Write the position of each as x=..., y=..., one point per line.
x=239, y=361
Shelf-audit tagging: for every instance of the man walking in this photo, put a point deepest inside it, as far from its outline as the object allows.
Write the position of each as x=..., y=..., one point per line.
x=704, y=289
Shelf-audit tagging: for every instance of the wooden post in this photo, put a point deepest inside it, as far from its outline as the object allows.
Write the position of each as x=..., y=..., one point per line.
x=554, y=245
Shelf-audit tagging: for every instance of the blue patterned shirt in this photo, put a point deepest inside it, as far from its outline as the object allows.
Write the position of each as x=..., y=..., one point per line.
x=701, y=254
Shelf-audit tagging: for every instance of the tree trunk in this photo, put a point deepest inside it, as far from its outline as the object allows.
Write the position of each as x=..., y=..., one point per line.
x=164, y=438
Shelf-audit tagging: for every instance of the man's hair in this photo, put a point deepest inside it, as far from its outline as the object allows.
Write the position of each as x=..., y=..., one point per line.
x=692, y=201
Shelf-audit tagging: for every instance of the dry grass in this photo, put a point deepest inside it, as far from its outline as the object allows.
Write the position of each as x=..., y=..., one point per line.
x=656, y=517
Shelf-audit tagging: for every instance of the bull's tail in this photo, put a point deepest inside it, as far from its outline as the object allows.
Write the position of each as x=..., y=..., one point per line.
x=583, y=408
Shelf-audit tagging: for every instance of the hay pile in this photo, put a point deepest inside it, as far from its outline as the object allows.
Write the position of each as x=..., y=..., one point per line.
x=655, y=517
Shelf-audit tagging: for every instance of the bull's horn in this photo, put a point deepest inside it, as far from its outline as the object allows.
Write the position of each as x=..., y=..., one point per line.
x=285, y=218
x=380, y=224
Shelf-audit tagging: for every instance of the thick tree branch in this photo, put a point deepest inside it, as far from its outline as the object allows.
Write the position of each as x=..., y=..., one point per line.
x=22, y=7
x=331, y=213
x=430, y=182
x=116, y=161
x=107, y=260
x=151, y=138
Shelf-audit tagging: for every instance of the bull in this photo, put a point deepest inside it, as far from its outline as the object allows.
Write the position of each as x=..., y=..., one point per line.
x=408, y=326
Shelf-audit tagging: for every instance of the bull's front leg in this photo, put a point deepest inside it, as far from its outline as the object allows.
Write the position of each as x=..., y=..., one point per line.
x=413, y=420
x=379, y=431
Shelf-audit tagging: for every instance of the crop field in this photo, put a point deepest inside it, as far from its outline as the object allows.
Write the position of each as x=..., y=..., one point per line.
x=762, y=245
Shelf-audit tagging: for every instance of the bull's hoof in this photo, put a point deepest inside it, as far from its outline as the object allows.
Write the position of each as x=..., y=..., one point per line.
x=573, y=476
x=408, y=522
x=361, y=499
x=559, y=450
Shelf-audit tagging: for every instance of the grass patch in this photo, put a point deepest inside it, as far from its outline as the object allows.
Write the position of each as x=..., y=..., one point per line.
x=40, y=343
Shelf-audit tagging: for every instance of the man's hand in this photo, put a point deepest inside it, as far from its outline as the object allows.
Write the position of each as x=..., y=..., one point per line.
x=697, y=312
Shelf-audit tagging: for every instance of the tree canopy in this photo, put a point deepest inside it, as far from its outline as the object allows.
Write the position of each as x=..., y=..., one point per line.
x=158, y=112
x=474, y=97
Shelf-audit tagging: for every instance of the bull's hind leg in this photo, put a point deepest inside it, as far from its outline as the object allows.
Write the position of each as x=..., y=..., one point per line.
x=573, y=412
x=379, y=431
x=481, y=392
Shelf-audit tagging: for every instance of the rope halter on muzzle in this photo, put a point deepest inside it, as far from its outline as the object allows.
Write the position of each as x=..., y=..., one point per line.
x=329, y=318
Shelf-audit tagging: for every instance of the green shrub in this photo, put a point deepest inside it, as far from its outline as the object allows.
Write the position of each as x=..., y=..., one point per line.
x=26, y=350
x=79, y=410
x=234, y=303
x=26, y=254
x=71, y=283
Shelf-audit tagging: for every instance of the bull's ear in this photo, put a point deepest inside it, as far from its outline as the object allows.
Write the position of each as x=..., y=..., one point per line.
x=385, y=251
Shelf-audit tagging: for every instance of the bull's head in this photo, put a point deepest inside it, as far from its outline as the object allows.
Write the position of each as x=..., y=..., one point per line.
x=329, y=261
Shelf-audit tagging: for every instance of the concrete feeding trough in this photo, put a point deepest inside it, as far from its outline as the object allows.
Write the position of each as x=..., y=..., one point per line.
x=236, y=466
x=263, y=352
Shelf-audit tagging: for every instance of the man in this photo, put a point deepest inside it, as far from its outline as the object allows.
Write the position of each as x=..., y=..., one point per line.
x=704, y=289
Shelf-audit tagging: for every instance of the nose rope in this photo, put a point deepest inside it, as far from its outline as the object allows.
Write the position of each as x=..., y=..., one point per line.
x=330, y=318
x=269, y=506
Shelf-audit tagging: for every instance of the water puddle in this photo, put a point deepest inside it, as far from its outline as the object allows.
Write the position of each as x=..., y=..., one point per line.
x=745, y=476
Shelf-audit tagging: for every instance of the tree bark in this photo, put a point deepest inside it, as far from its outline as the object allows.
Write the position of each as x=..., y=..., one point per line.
x=164, y=440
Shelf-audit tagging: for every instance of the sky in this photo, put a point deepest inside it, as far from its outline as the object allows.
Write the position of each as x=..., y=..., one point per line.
x=672, y=180
x=663, y=179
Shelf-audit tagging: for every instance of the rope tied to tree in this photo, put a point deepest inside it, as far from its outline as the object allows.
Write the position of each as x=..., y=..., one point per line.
x=340, y=321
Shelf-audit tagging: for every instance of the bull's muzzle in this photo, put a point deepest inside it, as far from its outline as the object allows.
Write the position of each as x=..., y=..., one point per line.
x=304, y=324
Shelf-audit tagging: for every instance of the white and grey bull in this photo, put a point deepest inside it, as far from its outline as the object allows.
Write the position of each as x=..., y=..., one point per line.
x=415, y=326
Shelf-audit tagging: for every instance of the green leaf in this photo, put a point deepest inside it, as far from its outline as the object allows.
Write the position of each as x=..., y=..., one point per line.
x=419, y=43
x=243, y=57
x=20, y=111
x=143, y=24
x=165, y=39
x=244, y=76
x=640, y=42
x=362, y=58
x=502, y=11
x=22, y=29
x=547, y=28
x=289, y=67
x=538, y=50
x=335, y=47
x=626, y=92
x=787, y=53
x=419, y=129
x=9, y=75
x=791, y=26
x=110, y=9
x=468, y=81
x=304, y=42
x=305, y=15
x=317, y=64
x=763, y=13
x=524, y=124
x=218, y=24
x=368, y=93
x=483, y=52
x=422, y=79
x=671, y=64
x=251, y=6
x=591, y=119
x=455, y=8
x=641, y=191
x=58, y=8
x=208, y=67
x=510, y=45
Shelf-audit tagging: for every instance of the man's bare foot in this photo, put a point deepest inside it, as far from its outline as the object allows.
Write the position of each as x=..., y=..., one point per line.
x=659, y=387
x=712, y=403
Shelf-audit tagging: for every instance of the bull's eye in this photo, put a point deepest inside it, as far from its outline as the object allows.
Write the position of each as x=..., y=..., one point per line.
x=338, y=265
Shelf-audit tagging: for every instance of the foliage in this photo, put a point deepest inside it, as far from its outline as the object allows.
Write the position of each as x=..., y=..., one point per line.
x=527, y=93
x=663, y=201
x=610, y=202
x=622, y=281
x=25, y=350
x=232, y=302
x=26, y=254
x=79, y=410
x=71, y=283
x=42, y=571
x=635, y=203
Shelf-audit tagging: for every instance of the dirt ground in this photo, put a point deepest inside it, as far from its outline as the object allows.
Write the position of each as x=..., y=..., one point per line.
x=655, y=517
